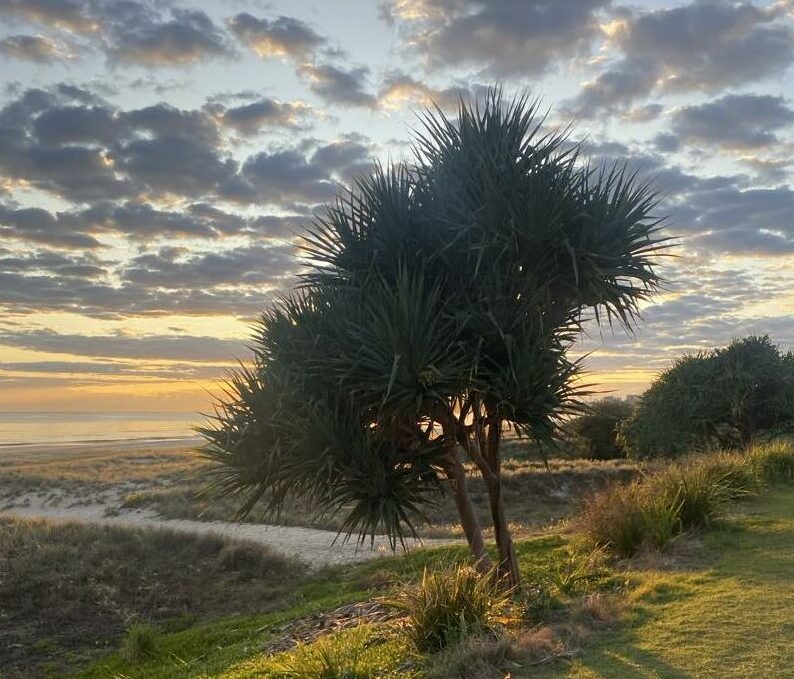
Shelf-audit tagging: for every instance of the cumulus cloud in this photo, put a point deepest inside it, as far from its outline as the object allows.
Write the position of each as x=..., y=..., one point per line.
x=735, y=121
x=706, y=45
x=280, y=37
x=504, y=38
x=166, y=282
x=337, y=85
x=136, y=32
x=71, y=15
x=36, y=48
x=86, y=150
x=399, y=89
x=264, y=113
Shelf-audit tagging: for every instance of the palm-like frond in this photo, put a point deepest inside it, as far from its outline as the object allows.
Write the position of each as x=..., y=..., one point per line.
x=459, y=279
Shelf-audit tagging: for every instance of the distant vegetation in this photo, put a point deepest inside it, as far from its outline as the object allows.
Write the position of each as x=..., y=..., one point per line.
x=596, y=431
x=726, y=397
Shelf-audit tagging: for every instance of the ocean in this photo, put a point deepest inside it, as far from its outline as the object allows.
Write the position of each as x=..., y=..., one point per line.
x=36, y=428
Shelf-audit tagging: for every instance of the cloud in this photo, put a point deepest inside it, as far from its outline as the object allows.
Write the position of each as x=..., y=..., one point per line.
x=336, y=85
x=131, y=32
x=735, y=121
x=346, y=157
x=706, y=45
x=39, y=226
x=67, y=370
x=263, y=113
x=82, y=149
x=159, y=347
x=399, y=89
x=35, y=48
x=70, y=15
x=250, y=265
x=504, y=39
x=147, y=39
x=281, y=37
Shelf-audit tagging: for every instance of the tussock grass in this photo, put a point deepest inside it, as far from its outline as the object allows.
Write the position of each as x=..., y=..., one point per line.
x=685, y=496
x=447, y=605
x=773, y=462
x=140, y=643
x=360, y=653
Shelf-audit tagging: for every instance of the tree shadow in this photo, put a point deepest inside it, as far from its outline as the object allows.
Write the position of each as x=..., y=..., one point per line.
x=630, y=662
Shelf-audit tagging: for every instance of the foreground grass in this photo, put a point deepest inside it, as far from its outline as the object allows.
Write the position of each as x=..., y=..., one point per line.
x=69, y=591
x=718, y=605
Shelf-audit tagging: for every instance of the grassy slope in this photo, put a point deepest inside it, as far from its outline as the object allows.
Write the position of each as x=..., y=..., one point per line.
x=733, y=618
x=729, y=614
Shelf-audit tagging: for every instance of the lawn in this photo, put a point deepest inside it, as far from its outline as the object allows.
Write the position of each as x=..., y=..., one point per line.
x=733, y=617
x=717, y=605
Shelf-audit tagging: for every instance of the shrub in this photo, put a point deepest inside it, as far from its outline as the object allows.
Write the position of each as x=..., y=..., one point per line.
x=447, y=605
x=597, y=429
x=773, y=462
x=726, y=396
x=140, y=643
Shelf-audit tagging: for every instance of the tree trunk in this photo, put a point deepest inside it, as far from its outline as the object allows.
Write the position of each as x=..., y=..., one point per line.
x=509, y=571
x=468, y=514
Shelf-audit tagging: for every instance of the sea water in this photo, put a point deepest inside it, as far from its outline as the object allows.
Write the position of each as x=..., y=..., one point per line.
x=36, y=428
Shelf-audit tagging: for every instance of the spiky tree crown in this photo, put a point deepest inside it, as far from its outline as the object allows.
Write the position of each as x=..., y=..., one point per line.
x=462, y=276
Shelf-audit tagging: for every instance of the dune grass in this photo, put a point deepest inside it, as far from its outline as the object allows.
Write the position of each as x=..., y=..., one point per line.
x=163, y=480
x=70, y=590
x=717, y=603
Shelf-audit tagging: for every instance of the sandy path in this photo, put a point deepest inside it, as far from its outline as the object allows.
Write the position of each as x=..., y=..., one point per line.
x=316, y=548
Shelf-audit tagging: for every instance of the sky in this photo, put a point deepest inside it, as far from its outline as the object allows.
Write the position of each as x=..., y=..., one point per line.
x=159, y=159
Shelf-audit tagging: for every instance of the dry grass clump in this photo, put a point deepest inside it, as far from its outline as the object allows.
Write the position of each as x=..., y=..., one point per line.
x=686, y=496
x=448, y=605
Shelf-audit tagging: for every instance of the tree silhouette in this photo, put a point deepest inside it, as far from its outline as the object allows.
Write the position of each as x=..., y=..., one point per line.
x=440, y=301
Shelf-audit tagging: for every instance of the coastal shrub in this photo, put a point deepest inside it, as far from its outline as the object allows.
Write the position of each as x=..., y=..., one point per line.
x=727, y=397
x=140, y=643
x=596, y=430
x=447, y=605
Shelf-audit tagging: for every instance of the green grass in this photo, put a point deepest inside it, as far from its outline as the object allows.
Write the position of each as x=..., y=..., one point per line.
x=729, y=616
x=718, y=606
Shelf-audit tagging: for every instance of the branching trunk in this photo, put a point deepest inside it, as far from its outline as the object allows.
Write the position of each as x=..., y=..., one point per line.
x=508, y=562
x=468, y=514
x=485, y=451
x=456, y=473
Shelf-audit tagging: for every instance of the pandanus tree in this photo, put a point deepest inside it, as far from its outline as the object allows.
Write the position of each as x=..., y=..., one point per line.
x=438, y=306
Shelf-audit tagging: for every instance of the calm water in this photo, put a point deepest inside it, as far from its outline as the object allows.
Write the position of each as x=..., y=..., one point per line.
x=36, y=428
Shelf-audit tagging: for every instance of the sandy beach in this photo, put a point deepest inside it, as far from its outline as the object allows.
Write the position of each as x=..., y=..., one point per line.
x=89, y=482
